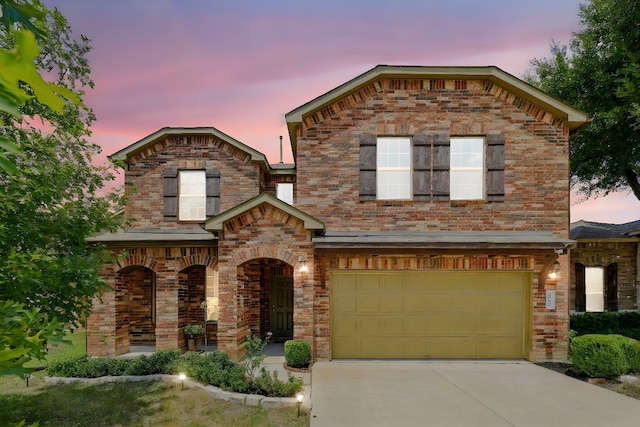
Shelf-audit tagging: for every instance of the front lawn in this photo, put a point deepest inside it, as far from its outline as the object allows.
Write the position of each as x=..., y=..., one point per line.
x=130, y=404
x=137, y=404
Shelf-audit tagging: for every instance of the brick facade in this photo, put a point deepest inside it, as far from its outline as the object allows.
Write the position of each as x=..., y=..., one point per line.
x=257, y=241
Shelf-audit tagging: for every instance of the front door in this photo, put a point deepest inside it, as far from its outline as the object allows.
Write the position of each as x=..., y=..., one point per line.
x=282, y=308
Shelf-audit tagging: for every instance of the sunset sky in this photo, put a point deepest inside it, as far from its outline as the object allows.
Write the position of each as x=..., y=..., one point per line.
x=240, y=66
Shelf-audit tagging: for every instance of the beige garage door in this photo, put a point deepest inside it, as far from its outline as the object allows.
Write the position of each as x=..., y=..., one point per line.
x=432, y=314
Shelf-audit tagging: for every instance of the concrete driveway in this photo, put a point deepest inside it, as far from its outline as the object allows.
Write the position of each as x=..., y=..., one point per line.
x=460, y=393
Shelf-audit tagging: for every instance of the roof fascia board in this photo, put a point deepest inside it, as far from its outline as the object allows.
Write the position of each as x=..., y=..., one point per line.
x=574, y=117
x=217, y=223
x=154, y=137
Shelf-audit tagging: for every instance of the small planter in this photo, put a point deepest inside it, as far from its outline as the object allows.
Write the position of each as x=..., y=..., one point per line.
x=194, y=342
x=194, y=337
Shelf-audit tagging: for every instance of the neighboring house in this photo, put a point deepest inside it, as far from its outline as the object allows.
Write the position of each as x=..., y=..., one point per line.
x=423, y=215
x=604, y=266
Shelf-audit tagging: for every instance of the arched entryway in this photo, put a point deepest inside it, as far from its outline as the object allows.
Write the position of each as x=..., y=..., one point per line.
x=265, y=298
x=135, y=295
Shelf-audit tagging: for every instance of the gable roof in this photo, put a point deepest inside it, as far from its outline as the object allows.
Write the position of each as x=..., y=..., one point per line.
x=217, y=222
x=150, y=140
x=602, y=230
x=572, y=116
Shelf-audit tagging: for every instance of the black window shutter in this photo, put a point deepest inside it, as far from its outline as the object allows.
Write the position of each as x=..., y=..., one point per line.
x=611, y=288
x=170, y=192
x=213, y=192
x=441, y=165
x=581, y=296
x=495, y=167
x=422, y=167
x=367, y=166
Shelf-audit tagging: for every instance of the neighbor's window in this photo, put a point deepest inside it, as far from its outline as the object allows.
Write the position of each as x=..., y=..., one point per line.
x=192, y=195
x=594, y=288
x=467, y=168
x=284, y=192
x=393, y=168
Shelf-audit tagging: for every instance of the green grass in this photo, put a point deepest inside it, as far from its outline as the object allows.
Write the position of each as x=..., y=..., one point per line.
x=137, y=404
x=124, y=404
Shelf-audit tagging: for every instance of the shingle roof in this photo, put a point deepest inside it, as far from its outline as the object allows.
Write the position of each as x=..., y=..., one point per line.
x=603, y=230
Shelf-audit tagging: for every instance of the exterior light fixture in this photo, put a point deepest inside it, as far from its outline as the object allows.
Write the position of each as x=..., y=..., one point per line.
x=303, y=265
x=553, y=275
x=299, y=398
x=182, y=376
x=26, y=377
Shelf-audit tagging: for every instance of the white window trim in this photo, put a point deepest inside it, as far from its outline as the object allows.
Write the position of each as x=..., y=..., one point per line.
x=480, y=169
x=183, y=196
x=407, y=170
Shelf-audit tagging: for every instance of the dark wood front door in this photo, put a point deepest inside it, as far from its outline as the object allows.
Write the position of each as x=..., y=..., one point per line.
x=282, y=308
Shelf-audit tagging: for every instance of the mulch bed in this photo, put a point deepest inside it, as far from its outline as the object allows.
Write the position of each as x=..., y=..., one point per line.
x=306, y=370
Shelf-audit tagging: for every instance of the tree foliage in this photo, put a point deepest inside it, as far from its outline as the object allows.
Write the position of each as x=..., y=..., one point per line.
x=56, y=198
x=599, y=73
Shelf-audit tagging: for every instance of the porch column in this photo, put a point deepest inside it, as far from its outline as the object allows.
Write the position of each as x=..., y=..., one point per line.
x=229, y=311
x=168, y=334
x=303, y=298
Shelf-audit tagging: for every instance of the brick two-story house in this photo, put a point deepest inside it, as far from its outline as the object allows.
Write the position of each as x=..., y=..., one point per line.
x=422, y=218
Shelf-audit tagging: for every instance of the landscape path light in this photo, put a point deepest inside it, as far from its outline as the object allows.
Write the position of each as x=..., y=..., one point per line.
x=299, y=397
x=182, y=376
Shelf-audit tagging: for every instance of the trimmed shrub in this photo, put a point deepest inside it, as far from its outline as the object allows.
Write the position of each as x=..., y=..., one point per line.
x=625, y=323
x=297, y=353
x=631, y=350
x=268, y=384
x=599, y=355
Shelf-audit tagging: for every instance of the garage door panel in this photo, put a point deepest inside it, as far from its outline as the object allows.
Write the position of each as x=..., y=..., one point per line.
x=415, y=303
x=369, y=326
x=368, y=283
x=429, y=314
x=367, y=303
x=391, y=303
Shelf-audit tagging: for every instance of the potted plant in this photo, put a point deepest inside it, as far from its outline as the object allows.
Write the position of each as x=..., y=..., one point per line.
x=194, y=339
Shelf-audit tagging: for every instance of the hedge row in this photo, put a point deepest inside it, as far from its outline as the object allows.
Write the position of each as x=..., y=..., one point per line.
x=215, y=368
x=626, y=323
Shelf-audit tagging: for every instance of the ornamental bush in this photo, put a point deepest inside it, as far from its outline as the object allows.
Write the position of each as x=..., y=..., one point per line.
x=297, y=353
x=215, y=368
x=600, y=356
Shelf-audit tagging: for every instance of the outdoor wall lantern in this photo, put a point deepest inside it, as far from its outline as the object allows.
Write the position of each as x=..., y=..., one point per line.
x=303, y=265
x=299, y=398
x=182, y=376
x=553, y=275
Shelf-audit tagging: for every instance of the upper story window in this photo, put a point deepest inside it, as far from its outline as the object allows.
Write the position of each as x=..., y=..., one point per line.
x=467, y=169
x=393, y=168
x=284, y=192
x=192, y=196
x=432, y=167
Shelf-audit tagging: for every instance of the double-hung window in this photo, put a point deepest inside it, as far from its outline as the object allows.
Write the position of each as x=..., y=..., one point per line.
x=393, y=168
x=192, y=196
x=284, y=192
x=467, y=168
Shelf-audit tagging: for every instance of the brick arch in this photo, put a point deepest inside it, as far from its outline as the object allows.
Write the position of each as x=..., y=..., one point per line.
x=281, y=253
x=137, y=261
x=196, y=259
